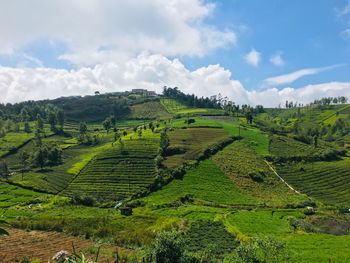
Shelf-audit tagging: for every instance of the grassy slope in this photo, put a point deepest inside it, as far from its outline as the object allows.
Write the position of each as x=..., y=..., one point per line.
x=114, y=175
x=175, y=107
x=192, y=142
x=206, y=183
x=149, y=110
x=240, y=164
x=304, y=247
x=329, y=182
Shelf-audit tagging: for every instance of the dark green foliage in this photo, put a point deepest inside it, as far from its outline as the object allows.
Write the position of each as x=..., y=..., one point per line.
x=168, y=247
x=262, y=250
x=190, y=100
x=4, y=170
x=27, y=128
x=204, y=235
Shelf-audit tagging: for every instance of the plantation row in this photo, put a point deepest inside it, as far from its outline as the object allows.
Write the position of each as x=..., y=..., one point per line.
x=189, y=144
x=327, y=181
x=120, y=171
x=284, y=147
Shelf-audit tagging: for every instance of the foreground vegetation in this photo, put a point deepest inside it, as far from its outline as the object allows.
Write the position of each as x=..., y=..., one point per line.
x=175, y=179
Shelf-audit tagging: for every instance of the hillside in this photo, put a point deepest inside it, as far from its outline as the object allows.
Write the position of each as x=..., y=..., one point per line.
x=121, y=169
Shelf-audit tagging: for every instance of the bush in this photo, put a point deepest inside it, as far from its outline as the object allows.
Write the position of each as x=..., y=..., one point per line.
x=168, y=248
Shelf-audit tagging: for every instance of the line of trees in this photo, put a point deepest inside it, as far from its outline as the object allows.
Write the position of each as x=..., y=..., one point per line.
x=191, y=100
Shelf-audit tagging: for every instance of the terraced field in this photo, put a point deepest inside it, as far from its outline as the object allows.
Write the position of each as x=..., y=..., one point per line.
x=113, y=175
x=328, y=182
x=149, y=110
x=206, y=183
x=250, y=173
x=189, y=144
x=175, y=107
x=13, y=195
x=13, y=140
x=284, y=147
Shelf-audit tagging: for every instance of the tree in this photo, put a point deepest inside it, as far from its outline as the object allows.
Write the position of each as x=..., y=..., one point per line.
x=83, y=128
x=107, y=124
x=40, y=157
x=54, y=155
x=60, y=118
x=23, y=157
x=4, y=170
x=52, y=120
x=27, y=127
x=168, y=247
x=24, y=114
x=37, y=138
x=39, y=123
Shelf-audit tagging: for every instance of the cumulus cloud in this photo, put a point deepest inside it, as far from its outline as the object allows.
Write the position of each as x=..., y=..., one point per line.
x=102, y=31
x=151, y=72
x=253, y=58
x=291, y=77
x=277, y=60
x=345, y=33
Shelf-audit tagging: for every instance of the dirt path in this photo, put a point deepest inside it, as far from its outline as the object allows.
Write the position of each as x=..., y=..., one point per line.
x=274, y=171
x=39, y=245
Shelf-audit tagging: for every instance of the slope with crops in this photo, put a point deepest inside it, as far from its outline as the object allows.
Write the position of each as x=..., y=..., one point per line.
x=127, y=168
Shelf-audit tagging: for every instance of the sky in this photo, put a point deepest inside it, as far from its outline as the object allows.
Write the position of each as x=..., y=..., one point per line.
x=252, y=51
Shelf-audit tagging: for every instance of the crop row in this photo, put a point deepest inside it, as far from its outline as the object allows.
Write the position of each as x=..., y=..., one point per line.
x=117, y=173
x=326, y=181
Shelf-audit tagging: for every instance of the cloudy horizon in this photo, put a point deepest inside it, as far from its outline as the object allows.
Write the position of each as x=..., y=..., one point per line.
x=64, y=48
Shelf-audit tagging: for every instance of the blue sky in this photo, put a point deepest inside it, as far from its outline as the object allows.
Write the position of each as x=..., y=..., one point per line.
x=307, y=34
x=247, y=50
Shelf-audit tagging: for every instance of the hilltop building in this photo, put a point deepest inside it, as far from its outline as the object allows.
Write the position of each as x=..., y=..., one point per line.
x=144, y=92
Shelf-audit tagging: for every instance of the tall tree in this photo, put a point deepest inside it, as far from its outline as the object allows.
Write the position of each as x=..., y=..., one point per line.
x=60, y=118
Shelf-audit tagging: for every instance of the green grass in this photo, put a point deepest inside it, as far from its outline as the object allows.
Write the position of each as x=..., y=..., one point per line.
x=251, y=174
x=205, y=235
x=282, y=146
x=13, y=195
x=303, y=247
x=191, y=143
x=264, y=221
x=205, y=183
x=112, y=175
x=13, y=140
x=328, y=182
x=306, y=248
x=175, y=107
x=55, y=179
x=149, y=110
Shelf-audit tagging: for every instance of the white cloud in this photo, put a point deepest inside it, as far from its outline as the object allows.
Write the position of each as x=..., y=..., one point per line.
x=345, y=34
x=253, y=58
x=345, y=10
x=102, y=31
x=277, y=60
x=151, y=72
x=291, y=77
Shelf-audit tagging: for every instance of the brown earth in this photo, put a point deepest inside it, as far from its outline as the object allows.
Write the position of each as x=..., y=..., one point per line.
x=41, y=245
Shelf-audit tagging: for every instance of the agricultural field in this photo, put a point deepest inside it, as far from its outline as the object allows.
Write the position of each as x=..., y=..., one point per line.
x=189, y=144
x=13, y=195
x=257, y=179
x=32, y=243
x=205, y=183
x=13, y=141
x=122, y=170
x=284, y=147
x=301, y=245
x=149, y=110
x=328, y=182
x=217, y=182
x=175, y=107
